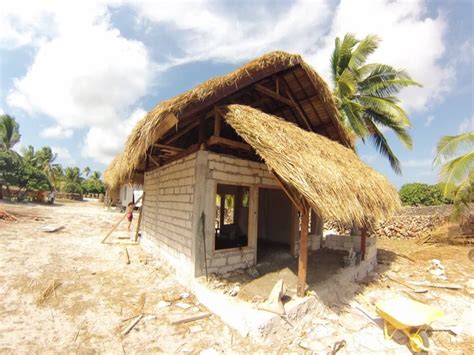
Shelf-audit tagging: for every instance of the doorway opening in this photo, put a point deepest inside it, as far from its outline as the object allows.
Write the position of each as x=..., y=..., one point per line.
x=276, y=227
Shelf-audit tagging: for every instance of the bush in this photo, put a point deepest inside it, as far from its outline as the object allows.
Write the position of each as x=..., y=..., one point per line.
x=416, y=194
x=72, y=187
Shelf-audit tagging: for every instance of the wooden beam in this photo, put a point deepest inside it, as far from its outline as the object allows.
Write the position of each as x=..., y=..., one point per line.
x=303, y=254
x=157, y=164
x=140, y=217
x=217, y=122
x=213, y=140
x=363, y=242
x=168, y=147
x=291, y=195
x=297, y=106
x=263, y=90
x=181, y=133
x=190, y=150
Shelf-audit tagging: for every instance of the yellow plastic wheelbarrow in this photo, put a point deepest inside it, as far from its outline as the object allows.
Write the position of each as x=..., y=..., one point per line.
x=411, y=317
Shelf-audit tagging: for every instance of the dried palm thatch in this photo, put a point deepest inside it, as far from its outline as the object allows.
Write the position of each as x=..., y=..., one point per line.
x=150, y=128
x=48, y=291
x=335, y=182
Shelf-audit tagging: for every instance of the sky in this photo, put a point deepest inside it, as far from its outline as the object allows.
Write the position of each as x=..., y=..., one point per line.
x=77, y=75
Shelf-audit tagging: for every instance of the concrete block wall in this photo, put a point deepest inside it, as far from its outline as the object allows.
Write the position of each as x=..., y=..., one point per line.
x=226, y=169
x=239, y=171
x=168, y=210
x=345, y=242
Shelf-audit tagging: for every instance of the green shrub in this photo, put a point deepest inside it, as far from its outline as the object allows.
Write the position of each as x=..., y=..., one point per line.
x=416, y=194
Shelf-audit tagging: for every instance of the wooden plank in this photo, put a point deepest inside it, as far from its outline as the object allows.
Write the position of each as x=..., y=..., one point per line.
x=190, y=150
x=140, y=217
x=168, y=147
x=168, y=122
x=363, y=242
x=157, y=164
x=297, y=107
x=303, y=257
x=263, y=90
x=213, y=140
x=181, y=133
x=190, y=318
x=289, y=192
x=217, y=122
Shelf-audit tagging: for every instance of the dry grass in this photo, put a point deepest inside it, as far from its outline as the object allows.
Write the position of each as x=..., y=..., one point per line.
x=122, y=168
x=336, y=183
x=48, y=291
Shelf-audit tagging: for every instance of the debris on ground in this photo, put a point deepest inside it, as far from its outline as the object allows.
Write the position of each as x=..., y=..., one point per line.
x=5, y=216
x=274, y=302
x=51, y=228
x=48, y=291
x=186, y=318
x=437, y=269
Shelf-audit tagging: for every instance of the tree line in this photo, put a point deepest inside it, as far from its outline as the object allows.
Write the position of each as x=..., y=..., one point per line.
x=36, y=170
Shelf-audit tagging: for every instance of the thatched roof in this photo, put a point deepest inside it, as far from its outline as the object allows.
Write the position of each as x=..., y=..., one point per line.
x=314, y=99
x=336, y=183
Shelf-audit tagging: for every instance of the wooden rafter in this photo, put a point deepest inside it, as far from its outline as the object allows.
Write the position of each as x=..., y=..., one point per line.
x=213, y=140
x=157, y=164
x=297, y=105
x=263, y=90
x=168, y=147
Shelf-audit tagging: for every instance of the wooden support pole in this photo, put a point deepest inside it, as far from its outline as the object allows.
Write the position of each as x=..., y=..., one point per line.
x=217, y=122
x=140, y=217
x=303, y=257
x=363, y=241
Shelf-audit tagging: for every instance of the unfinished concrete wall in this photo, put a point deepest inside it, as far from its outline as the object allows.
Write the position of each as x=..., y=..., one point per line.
x=275, y=221
x=225, y=169
x=168, y=211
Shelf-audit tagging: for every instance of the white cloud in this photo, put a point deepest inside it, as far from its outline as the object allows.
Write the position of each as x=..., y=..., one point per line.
x=1, y=111
x=64, y=156
x=102, y=144
x=84, y=72
x=429, y=120
x=466, y=126
x=56, y=132
x=410, y=41
x=206, y=31
x=417, y=163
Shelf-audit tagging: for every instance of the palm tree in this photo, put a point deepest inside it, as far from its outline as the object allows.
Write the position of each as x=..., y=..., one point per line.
x=30, y=156
x=86, y=171
x=9, y=132
x=457, y=169
x=96, y=175
x=366, y=94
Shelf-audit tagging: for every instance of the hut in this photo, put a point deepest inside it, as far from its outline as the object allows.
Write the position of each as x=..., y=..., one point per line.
x=244, y=160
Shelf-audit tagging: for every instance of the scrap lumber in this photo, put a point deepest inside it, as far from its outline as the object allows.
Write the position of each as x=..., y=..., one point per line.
x=132, y=325
x=437, y=285
x=190, y=318
x=7, y=216
x=126, y=256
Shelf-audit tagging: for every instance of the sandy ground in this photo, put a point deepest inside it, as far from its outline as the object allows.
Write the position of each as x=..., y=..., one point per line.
x=99, y=293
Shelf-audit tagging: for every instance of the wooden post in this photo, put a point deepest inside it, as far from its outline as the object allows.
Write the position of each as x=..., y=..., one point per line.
x=303, y=257
x=363, y=241
x=140, y=217
x=217, y=122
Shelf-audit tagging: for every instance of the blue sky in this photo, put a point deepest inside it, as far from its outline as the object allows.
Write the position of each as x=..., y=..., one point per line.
x=78, y=75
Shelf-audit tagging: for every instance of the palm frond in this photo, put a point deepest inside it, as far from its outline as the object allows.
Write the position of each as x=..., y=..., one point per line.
x=385, y=121
x=366, y=47
x=449, y=145
x=457, y=169
x=383, y=147
x=385, y=107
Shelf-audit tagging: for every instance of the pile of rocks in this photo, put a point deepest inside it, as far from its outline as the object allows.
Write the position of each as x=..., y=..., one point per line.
x=414, y=222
